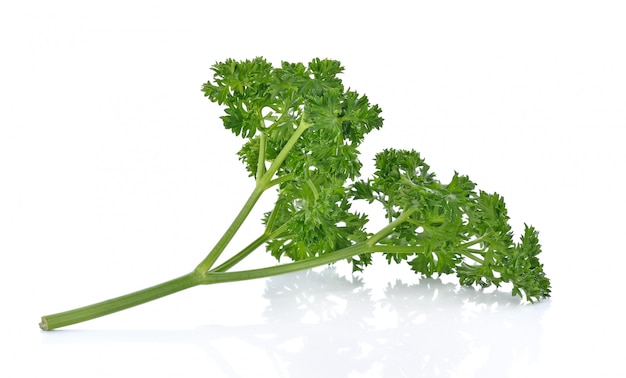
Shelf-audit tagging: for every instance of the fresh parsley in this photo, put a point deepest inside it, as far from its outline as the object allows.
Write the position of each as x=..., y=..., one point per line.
x=301, y=130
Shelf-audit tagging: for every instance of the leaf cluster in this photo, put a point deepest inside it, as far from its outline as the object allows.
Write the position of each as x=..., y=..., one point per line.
x=261, y=99
x=267, y=105
x=451, y=228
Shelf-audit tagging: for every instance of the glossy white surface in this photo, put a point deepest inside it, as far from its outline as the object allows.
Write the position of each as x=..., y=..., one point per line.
x=115, y=174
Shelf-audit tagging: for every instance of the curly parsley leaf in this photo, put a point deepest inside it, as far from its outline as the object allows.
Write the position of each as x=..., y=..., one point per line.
x=452, y=228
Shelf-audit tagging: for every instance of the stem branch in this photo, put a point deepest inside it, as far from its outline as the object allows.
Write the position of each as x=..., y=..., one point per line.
x=210, y=259
x=312, y=262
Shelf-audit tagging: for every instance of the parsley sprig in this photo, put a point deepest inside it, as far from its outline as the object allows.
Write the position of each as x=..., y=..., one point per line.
x=301, y=130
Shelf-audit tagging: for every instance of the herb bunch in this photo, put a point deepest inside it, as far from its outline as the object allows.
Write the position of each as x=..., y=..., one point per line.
x=301, y=130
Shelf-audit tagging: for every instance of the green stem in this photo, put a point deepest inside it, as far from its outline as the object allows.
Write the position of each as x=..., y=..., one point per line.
x=468, y=253
x=217, y=275
x=328, y=258
x=399, y=249
x=408, y=249
x=280, y=180
x=96, y=310
x=269, y=225
x=210, y=259
x=202, y=273
x=62, y=319
x=262, y=183
x=472, y=242
x=260, y=168
x=389, y=228
x=282, y=155
x=234, y=260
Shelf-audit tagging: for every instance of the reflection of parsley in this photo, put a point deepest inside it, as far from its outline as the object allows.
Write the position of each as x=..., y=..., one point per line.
x=301, y=129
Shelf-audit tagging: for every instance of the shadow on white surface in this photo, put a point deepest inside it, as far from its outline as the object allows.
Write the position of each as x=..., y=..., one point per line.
x=336, y=327
x=424, y=329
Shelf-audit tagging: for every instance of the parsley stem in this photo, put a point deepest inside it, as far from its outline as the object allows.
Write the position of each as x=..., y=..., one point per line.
x=404, y=216
x=262, y=184
x=96, y=310
x=260, y=169
x=282, y=155
x=210, y=259
x=220, y=275
x=367, y=246
x=399, y=249
x=234, y=260
x=312, y=262
x=473, y=242
x=470, y=255
x=281, y=179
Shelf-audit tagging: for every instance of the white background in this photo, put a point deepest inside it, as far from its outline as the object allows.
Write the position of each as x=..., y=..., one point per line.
x=116, y=174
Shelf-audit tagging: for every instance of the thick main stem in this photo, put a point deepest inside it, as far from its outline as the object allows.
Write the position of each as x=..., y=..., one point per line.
x=218, y=275
x=96, y=310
